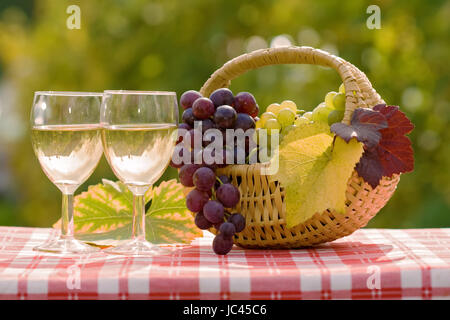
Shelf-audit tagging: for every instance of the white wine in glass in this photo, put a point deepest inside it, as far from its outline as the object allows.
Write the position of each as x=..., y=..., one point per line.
x=138, y=153
x=66, y=138
x=68, y=153
x=139, y=132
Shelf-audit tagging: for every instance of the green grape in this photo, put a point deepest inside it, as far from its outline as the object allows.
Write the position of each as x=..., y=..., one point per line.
x=339, y=101
x=266, y=116
x=274, y=108
x=335, y=116
x=286, y=117
x=329, y=99
x=272, y=124
x=300, y=112
x=301, y=120
x=286, y=130
x=342, y=88
x=322, y=104
x=308, y=115
x=289, y=105
x=320, y=113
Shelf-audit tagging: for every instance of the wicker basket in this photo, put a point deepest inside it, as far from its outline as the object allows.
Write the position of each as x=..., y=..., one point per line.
x=262, y=201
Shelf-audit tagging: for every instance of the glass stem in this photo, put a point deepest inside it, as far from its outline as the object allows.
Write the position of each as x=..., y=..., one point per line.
x=138, y=217
x=67, y=216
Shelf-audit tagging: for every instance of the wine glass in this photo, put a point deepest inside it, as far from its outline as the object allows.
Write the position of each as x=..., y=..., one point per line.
x=66, y=138
x=139, y=132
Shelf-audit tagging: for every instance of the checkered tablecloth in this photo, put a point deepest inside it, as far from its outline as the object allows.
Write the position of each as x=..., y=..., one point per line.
x=370, y=264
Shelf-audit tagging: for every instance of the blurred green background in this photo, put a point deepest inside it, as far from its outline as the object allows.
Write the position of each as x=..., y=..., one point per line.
x=176, y=45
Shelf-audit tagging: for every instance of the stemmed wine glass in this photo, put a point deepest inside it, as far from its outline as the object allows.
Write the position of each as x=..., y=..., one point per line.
x=138, y=137
x=66, y=138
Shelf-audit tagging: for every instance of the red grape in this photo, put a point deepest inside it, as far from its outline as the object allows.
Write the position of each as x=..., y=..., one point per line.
x=227, y=230
x=244, y=122
x=224, y=179
x=222, y=96
x=175, y=165
x=186, y=174
x=196, y=200
x=188, y=98
x=207, y=124
x=238, y=220
x=228, y=195
x=204, y=179
x=255, y=113
x=218, y=224
x=245, y=102
x=203, y=108
x=188, y=117
x=213, y=211
x=225, y=116
x=201, y=222
x=222, y=245
x=182, y=128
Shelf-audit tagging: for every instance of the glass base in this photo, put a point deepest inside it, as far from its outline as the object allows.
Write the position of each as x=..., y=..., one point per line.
x=66, y=245
x=137, y=248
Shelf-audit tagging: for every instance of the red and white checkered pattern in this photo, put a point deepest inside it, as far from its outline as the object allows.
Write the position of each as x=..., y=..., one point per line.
x=370, y=264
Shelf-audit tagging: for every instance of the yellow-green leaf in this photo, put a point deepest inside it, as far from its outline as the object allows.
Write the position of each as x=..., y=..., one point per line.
x=103, y=214
x=314, y=171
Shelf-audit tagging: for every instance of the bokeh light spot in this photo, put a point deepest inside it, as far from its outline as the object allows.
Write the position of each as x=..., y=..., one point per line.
x=282, y=40
x=412, y=99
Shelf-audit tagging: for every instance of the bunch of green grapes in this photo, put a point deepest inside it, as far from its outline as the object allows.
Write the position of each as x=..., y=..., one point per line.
x=286, y=116
x=280, y=117
x=332, y=110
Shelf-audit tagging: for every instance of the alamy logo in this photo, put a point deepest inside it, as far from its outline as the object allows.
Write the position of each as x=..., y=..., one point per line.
x=73, y=281
x=374, y=280
x=374, y=20
x=74, y=20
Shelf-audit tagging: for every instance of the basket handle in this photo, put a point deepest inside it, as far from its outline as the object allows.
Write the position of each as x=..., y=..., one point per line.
x=359, y=90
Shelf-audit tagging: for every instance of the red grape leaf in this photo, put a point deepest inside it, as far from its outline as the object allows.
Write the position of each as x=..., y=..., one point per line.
x=370, y=167
x=396, y=119
x=396, y=154
x=393, y=154
x=365, y=127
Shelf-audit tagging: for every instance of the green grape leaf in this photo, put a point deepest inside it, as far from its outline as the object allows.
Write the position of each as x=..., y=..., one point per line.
x=314, y=169
x=103, y=214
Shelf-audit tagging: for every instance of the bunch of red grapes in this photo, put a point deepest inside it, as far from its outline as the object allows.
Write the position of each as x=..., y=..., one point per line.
x=214, y=196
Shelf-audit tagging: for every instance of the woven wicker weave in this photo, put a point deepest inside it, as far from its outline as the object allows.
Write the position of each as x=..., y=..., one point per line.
x=262, y=201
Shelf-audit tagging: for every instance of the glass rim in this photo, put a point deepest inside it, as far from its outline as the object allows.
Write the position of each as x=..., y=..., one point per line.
x=159, y=93
x=68, y=93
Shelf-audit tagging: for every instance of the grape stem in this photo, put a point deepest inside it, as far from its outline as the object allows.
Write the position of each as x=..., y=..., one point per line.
x=220, y=181
x=332, y=145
